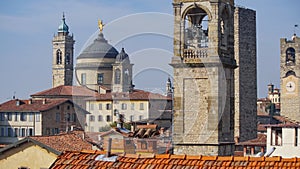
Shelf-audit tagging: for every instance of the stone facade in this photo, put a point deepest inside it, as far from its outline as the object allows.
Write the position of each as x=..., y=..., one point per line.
x=289, y=77
x=203, y=65
x=245, y=74
x=62, y=62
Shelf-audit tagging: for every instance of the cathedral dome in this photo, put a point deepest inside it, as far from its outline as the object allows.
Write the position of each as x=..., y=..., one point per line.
x=122, y=56
x=63, y=27
x=100, y=48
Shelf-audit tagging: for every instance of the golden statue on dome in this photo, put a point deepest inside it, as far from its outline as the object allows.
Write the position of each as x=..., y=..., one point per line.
x=100, y=25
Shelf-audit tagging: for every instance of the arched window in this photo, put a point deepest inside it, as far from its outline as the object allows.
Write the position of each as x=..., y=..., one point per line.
x=58, y=57
x=68, y=58
x=290, y=56
x=196, y=28
x=117, y=76
x=289, y=73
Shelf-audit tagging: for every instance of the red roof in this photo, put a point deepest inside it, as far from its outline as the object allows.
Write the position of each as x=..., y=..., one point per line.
x=134, y=95
x=34, y=106
x=65, y=142
x=261, y=140
x=93, y=159
x=66, y=91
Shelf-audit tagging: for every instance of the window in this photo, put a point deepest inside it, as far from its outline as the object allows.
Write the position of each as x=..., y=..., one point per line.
x=73, y=117
x=117, y=76
x=131, y=118
x=124, y=106
x=16, y=132
x=108, y=106
x=100, y=106
x=23, y=133
x=38, y=117
x=92, y=118
x=57, y=117
x=100, y=118
x=2, y=116
x=100, y=78
x=132, y=106
x=68, y=117
x=68, y=107
x=10, y=132
x=16, y=116
x=30, y=132
x=58, y=57
x=290, y=56
x=83, y=79
x=2, y=132
x=56, y=131
x=140, y=117
x=141, y=106
x=296, y=136
x=9, y=116
x=144, y=145
x=68, y=58
x=91, y=106
x=31, y=117
x=108, y=118
x=23, y=116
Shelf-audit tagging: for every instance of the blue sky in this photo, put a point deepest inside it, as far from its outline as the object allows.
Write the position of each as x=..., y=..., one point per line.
x=27, y=28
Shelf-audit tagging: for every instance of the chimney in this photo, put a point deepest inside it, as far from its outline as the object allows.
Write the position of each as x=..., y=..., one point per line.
x=44, y=101
x=108, y=153
x=17, y=102
x=30, y=101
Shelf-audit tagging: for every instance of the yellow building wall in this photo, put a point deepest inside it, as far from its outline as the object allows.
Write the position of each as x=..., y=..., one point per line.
x=27, y=155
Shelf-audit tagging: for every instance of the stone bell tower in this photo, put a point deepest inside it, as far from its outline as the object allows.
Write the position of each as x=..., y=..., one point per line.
x=290, y=77
x=62, y=62
x=204, y=66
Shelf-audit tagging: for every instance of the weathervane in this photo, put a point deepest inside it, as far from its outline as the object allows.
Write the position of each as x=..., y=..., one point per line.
x=100, y=25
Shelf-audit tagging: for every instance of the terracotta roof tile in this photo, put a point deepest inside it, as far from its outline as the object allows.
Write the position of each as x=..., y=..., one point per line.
x=135, y=95
x=87, y=159
x=35, y=106
x=66, y=91
x=65, y=142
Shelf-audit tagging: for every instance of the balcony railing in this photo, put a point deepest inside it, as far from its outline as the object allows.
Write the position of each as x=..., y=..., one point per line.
x=194, y=55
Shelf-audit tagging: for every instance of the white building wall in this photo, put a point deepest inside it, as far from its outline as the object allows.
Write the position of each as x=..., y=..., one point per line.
x=288, y=149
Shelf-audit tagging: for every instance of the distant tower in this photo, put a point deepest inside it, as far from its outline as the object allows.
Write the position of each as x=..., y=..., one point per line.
x=169, y=87
x=62, y=62
x=122, y=73
x=290, y=77
x=245, y=76
x=204, y=66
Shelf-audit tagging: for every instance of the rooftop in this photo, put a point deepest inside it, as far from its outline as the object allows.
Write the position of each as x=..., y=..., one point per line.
x=88, y=159
x=134, y=95
x=30, y=105
x=66, y=91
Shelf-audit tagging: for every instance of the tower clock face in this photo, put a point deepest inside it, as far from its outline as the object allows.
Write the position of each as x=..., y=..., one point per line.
x=290, y=86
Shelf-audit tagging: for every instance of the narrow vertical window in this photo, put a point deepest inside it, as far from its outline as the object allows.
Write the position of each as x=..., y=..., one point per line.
x=296, y=136
x=83, y=79
x=117, y=76
x=141, y=106
x=100, y=78
x=58, y=57
x=68, y=58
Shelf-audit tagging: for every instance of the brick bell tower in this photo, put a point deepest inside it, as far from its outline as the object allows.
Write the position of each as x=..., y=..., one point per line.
x=290, y=77
x=62, y=62
x=204, y=66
